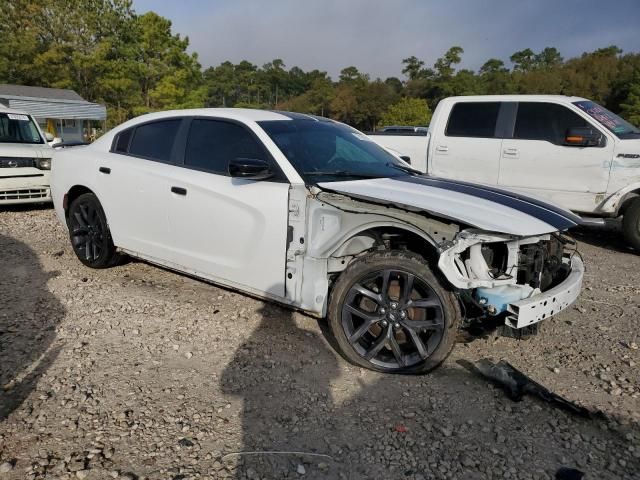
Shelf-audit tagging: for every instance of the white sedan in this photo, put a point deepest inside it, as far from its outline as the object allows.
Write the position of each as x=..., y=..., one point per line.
x=312, y=214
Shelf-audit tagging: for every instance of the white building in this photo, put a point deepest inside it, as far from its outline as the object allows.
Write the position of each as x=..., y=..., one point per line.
x=63, y=113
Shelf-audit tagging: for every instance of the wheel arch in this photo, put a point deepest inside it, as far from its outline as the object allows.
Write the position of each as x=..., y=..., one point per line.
x=73, y=193
x=627, y=199
x=421, y=243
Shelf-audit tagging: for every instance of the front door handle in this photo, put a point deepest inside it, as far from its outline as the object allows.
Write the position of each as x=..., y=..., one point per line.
x=179, y=190
x=442, y=148
x=511, y=152
x=104, y=170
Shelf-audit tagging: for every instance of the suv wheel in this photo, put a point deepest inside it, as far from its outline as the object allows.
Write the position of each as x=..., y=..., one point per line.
x=89, y=233
x=389, y=312
x=631, y=224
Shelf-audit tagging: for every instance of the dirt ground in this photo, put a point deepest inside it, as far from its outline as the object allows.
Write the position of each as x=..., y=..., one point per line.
x=137, y=372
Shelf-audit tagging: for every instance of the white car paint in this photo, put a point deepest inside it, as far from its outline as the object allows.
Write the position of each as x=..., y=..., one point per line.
x=282, y=240
x=587, y=180
x=23, y=184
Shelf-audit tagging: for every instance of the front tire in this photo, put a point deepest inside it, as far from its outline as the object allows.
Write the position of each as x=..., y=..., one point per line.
x=388, y=312
x=89, y=233
x=631, y=224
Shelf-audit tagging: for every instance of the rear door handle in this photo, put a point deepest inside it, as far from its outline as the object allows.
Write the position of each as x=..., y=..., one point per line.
x=511, y=152
x=442, y=148
x=104, y=170
x=179, y=190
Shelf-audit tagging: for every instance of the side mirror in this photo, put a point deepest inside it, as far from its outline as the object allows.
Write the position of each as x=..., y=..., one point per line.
x=582, y=137
x=48, y=137
x=249, y=168
x=406, y=158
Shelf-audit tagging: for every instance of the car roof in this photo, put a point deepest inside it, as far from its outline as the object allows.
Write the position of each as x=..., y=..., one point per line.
x=243, y=114
x=515, y=98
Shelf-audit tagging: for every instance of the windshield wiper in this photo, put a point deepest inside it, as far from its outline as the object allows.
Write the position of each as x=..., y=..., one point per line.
x=404, y=168
x=343, y=173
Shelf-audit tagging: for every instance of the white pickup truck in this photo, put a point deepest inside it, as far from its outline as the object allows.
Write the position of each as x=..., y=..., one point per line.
x=568, y=150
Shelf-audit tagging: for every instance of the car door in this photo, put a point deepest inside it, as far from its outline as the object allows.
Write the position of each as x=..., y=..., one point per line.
x=229, y=229
x=537, y=161
x=134, y=186
x=468, y=147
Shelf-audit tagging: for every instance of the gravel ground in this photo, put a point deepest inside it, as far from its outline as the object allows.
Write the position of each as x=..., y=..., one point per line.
x=137, y=372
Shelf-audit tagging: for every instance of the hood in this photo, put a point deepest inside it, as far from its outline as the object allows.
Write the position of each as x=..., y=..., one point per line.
x=22, y=150
x=479, y=206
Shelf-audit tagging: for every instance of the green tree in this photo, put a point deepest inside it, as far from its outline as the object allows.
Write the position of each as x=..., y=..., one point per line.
x=408, y=111
x=412, y=67
x=169, y=77
x=631, y=106
x=523, y=60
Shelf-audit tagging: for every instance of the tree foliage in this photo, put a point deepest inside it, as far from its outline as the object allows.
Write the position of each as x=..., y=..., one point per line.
x=136, y=64
x=408, y=111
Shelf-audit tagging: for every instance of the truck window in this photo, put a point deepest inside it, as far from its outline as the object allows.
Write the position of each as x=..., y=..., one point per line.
x=473, y=119
x=545, y=121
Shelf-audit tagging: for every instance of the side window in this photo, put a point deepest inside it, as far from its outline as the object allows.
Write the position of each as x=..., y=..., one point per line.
x=473, y=119
x=545, y=121
x=212, y=143
x=121, y=144
x=155, y=140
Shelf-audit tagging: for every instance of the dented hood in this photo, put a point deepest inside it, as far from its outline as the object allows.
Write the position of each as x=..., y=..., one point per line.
x=479, y=206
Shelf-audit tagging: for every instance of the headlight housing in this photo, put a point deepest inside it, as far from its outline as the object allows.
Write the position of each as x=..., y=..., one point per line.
x=44, y=163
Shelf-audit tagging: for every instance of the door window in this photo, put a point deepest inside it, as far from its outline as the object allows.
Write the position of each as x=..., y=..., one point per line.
x=155, y=140
x=212, y=144
x=473, y=119
x=545, y=121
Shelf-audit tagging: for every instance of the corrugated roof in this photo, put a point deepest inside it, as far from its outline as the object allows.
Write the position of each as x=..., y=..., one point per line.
x=60, y=109
x=44, y=102
x=38, y=92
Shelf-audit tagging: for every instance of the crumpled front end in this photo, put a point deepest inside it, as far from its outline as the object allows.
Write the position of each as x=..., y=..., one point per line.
x=523, y=280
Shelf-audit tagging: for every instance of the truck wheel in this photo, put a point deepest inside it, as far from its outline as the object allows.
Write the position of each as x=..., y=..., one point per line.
x=388, y=312
x=89, y=233
x=631, y=224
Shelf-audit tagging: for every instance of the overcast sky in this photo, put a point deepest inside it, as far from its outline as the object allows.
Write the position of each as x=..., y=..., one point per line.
x=376, y=35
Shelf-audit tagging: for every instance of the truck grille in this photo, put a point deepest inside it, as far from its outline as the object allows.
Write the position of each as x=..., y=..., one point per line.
x=17, y=162
x=23, y=194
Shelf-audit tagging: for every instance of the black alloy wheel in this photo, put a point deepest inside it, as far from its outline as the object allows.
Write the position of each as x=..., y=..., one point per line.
x=394, y=316
x=89, y=233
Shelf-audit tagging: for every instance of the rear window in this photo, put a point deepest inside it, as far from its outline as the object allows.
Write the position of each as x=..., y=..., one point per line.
x=155, y=140
x=473, y=119
x=122, y=141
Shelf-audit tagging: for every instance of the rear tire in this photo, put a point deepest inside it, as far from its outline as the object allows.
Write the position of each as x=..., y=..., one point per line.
x=388, y=312
x=89, y=233
x=631, y=224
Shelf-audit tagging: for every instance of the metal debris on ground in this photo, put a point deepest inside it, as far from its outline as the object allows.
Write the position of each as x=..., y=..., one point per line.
x=516, y=384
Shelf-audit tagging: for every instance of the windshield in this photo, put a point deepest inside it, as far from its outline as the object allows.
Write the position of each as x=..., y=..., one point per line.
x=325, y=151
x=612, y=122
x=18, y=128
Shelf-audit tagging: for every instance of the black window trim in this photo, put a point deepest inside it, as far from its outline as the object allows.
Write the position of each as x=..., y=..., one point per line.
x=577, y=112
x=173, y=157
x=278, y=174
x=495, y=131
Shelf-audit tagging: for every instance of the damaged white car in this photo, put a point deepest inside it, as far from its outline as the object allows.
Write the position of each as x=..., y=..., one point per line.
x=313, y=214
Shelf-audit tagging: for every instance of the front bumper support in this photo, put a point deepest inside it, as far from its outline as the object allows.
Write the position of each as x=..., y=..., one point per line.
x=546, y=304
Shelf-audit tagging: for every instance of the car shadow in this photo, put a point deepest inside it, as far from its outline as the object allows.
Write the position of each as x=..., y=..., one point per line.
x=26, y=207
x=306, y=412
x=608, y=238
x=29, y=315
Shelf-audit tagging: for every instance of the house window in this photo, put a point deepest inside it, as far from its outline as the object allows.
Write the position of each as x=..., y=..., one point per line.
x=69, y=123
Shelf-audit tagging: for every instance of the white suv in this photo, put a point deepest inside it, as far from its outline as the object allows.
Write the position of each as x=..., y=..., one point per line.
x=25, y=159
x=311, y=213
